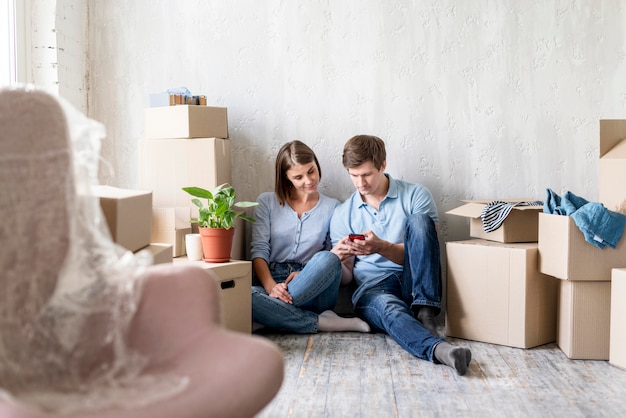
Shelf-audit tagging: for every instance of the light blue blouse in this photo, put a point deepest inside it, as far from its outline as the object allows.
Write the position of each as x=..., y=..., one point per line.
x=278, y=235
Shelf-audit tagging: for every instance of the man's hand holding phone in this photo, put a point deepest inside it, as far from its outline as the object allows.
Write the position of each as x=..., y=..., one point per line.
x=352, y=237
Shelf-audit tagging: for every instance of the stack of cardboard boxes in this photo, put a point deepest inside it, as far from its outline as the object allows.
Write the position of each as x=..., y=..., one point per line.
x=514, y=294
x=184, y=146
x=495, y=292
x=584, y=270
x=612, y=192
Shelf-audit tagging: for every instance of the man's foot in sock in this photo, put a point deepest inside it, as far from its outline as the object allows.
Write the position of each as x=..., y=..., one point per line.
x=330, y=321
x=426, y=315
x=458, y=358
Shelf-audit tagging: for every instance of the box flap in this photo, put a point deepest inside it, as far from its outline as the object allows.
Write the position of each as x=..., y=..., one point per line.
x=617, y=152
x=468, y=210
x=612, y=132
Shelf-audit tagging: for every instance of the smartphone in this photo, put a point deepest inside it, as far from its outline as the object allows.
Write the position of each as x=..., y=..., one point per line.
x=352, y=237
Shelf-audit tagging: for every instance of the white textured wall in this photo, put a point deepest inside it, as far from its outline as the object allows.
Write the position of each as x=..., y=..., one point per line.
x=475, y=99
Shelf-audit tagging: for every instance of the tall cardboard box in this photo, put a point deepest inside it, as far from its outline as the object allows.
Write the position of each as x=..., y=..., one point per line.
x=617, y=344
x=611, y=184
x=584, y=319
x=496, y=295
x=168, y=165
x=564, y=253
x=521, y=225
x=128, y=214
x=185, y=121
x=234, y=280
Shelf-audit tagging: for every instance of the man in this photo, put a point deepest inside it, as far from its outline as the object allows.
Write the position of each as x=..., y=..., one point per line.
x=396, y=267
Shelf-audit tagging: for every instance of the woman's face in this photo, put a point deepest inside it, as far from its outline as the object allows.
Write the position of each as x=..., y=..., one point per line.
x=304, y=177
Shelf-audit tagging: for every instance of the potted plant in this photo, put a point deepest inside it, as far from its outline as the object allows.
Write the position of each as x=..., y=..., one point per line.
x=216, y=218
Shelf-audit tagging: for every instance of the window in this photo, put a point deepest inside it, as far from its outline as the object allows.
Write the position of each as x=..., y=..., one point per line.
x=14, y=41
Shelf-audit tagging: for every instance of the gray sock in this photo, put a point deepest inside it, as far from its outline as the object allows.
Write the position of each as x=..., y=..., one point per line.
x=426, y=315
x=458, y=358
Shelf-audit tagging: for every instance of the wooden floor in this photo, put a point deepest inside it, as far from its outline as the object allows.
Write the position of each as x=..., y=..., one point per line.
x=369, y=375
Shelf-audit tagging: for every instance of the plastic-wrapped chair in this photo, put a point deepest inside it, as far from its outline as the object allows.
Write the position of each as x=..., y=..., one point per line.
x=87, y=329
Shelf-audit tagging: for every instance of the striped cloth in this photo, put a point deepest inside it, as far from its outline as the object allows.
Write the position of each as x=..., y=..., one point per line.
x=494, y=213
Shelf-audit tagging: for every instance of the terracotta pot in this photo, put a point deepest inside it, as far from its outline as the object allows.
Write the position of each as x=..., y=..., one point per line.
x=216, y=244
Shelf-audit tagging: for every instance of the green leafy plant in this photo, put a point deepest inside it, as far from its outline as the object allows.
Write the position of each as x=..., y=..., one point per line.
x=219, y=210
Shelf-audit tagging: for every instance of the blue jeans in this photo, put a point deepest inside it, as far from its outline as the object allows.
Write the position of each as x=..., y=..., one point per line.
x=388, y=306
x=314, y=291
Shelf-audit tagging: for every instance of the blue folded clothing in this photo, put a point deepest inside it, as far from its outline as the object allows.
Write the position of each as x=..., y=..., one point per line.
x=600, y=226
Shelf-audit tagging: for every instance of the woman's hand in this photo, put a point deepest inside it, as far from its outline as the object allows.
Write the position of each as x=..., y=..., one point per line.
x=281, y=292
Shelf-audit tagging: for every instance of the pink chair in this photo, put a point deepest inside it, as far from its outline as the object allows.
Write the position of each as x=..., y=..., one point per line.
x=192, y=365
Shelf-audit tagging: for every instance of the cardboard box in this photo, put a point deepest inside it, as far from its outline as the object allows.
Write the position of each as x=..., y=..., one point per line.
x=521, y=225
x=611, y=185
x=128, y=214
x=161, y=253
x=584, y=319
x=617, y=339
x=496, y=295
x=170, y=225
x=185, y=121
x=564, y=253
x=168, y=165
x=234, y=280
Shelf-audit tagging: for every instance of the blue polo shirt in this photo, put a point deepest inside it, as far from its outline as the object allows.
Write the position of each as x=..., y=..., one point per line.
x=388, y=223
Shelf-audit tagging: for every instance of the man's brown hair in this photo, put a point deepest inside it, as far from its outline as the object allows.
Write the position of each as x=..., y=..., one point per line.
x=363, y=148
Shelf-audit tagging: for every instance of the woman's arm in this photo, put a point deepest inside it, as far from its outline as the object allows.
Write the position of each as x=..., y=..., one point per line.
x=346, y=271
x=275, y=290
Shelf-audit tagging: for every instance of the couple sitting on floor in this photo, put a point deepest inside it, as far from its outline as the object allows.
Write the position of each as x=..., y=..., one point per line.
x=302, y=251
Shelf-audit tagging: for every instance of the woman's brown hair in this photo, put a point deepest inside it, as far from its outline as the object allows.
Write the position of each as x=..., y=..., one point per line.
x=291, y=154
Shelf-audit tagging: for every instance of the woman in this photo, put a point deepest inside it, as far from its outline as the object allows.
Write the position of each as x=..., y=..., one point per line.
x=297, y=278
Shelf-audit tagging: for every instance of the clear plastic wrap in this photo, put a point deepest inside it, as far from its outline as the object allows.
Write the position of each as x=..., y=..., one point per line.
x=68, y=294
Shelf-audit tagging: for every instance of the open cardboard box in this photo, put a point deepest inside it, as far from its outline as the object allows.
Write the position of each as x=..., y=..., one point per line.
x=564, y=253
x=521, y=225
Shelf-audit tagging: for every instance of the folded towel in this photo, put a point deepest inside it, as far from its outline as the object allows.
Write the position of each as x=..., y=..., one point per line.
x=600, y=226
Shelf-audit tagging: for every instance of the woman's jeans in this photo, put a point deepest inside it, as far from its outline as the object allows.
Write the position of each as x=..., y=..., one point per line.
x=314, y=291
x=389, y=304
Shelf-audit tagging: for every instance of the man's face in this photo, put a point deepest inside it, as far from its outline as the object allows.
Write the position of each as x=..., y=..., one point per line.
x=367, y=178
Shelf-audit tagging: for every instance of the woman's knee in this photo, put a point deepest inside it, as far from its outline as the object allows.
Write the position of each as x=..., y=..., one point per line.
x=327, y=259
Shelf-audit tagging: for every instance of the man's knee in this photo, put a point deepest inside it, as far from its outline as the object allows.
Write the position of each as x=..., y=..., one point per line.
x=420, y=221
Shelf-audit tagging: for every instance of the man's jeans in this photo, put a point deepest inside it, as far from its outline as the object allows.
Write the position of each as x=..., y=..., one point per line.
x=388, y=305
x=314, y=291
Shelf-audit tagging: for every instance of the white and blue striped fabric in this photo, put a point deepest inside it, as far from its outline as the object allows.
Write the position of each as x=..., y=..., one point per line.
x=494, y=213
